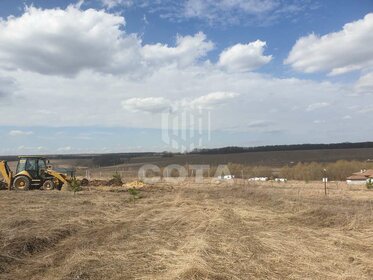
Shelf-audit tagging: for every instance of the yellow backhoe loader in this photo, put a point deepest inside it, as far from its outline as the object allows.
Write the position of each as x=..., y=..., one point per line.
x=32, y=172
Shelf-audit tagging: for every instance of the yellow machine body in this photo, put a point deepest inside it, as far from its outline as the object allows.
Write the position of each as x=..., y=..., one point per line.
x=35, y=177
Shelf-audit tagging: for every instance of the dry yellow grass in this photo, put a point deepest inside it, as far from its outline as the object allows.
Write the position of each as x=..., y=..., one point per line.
x=240, y=231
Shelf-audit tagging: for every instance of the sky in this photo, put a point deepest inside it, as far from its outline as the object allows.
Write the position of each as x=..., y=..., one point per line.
x=100, y=76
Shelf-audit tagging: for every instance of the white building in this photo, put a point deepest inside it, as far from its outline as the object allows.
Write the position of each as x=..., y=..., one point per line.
x=226, y=177
x=261, y=179
x=281, y=180
x=360, y=178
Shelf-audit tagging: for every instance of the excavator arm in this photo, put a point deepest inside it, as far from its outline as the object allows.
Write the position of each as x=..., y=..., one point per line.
x=6, y=173
x=57, y=175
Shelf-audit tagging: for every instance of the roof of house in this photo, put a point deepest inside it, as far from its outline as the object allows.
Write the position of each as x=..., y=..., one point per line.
x=362, y=175
x=368, y=172
x=357, y=177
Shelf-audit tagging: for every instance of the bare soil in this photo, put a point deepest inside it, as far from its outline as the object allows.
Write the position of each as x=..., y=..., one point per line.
x=189, y=231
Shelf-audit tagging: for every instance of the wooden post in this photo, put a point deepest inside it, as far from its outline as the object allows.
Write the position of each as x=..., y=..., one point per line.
x=325, y=185
x=325, y=179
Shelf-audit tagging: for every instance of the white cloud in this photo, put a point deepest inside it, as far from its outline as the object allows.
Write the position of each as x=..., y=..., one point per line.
x=260, y=124
x=241, y=57
x=114, y=3
x=148, y=104
x=20, y=133
x=229, y=12
x=365, y=84
x=232, y=12
x=92, y=98
x=222, y=12
x=340, y=52
x=188, y=49
x=64, y=149
x=316, y=106
x=213, y=99
x=365, y=109
x=111, y=100
x=211, y=8
x=30, y=150
x=74, y=40
x=78, y=40
x=160, y=104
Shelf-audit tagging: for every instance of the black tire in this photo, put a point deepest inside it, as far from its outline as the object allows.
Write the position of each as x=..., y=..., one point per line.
x=84, y=182
x=59, y=186
x=48, y=185
x=21, y=183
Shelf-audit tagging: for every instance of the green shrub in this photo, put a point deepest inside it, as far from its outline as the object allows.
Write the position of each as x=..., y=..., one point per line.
x=135, y=194
x=117, y=179
x=75, y=185
x=370, y=184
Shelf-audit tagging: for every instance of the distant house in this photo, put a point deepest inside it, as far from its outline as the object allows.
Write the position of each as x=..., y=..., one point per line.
x=226, y=177
x=262, y=179
x=360, y=178
x=282, y=180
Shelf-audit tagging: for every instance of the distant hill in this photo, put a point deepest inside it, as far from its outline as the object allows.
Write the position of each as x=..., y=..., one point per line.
x=276, y=148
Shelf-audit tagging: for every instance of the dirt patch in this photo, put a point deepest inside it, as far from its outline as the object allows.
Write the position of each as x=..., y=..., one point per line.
x=29, y=244
x=322, y=217
x=96, y=183
x=19, y=223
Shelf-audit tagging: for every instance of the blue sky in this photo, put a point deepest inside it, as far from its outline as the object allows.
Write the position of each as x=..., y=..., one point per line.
x=101, y=76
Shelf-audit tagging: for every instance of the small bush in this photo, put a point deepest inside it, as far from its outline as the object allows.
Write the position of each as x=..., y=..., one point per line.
x=116, y=180
x=135, y=194
x=370, y=184
x=75, y=185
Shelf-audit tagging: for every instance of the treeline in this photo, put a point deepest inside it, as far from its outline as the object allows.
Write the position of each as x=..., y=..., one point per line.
x=339, y=170
x=273, y=148
x=313, y=171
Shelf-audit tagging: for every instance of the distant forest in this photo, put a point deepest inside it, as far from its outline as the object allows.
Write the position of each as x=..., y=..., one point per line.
x=120, y=158
x=274, y=148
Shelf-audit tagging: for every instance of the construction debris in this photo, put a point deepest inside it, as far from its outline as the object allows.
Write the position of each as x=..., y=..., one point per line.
x=135, y=184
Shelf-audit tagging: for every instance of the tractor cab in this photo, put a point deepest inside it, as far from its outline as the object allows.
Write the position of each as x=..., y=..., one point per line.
x=34, y=166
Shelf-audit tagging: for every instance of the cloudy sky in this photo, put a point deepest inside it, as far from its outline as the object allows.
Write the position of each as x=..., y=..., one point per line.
x=101, y=75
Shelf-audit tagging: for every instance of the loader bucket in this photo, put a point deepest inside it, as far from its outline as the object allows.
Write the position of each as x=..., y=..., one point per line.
x=66, y=187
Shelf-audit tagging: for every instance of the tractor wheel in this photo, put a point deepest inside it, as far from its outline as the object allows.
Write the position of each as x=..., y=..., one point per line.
x=59, y=186
x=21, y=183
x=48, y=185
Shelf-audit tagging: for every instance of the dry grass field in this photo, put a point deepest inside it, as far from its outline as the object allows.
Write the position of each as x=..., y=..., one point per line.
x=189, y=231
